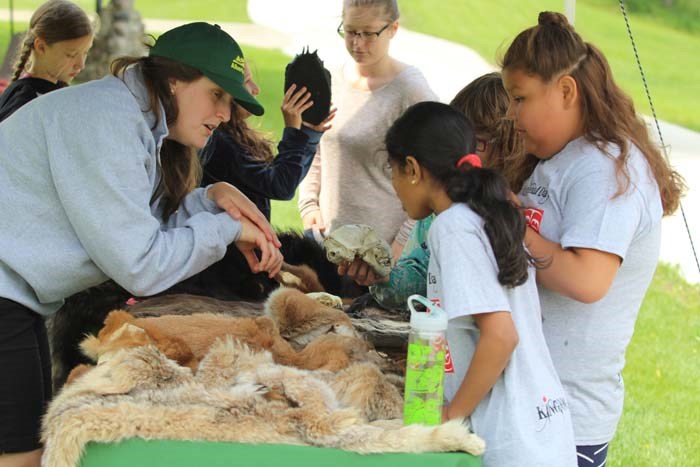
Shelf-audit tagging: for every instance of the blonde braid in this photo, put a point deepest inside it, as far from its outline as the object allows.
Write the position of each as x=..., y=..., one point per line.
x=23, y=55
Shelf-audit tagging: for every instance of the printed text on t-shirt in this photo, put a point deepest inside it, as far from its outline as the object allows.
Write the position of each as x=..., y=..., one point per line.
x=541, y=192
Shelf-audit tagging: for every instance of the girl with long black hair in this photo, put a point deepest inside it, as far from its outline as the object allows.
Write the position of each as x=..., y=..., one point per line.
x=499, y=374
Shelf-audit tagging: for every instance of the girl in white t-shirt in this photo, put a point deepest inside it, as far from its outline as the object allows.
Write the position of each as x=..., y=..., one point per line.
x=594, y=206
x=500, y=376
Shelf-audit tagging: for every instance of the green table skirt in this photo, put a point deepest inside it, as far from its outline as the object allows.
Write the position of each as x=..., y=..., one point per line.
x=138, y=452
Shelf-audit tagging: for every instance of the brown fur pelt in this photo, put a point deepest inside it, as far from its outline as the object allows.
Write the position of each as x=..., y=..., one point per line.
x=379, y=327
x=301, y=319
x=325, y=336
x=236, y=395
x=300, y=277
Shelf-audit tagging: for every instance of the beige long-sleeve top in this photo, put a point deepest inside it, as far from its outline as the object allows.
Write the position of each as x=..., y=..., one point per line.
x=349, y=180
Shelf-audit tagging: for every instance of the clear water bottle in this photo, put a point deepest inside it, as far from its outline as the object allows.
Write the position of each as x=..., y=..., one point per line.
x=425, y=363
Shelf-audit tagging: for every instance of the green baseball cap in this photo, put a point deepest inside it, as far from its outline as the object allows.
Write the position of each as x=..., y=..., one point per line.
x=212, y=51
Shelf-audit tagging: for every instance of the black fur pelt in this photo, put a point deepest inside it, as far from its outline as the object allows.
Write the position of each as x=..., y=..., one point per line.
x=229, y=279
x=81, y=314
x=309, y=252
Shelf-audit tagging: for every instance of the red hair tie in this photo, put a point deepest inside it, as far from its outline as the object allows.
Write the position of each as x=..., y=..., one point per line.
x=472, y=159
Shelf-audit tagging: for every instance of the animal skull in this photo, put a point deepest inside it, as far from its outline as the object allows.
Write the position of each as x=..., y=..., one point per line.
x=359, y=240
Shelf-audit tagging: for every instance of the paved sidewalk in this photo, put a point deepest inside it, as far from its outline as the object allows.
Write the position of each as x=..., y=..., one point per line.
x=245, y=33
x=290, y=26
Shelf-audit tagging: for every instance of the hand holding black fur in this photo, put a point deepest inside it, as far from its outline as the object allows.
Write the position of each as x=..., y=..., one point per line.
x=306, y=69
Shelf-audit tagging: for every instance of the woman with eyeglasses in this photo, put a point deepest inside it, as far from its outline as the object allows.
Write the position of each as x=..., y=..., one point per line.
x=349, y=182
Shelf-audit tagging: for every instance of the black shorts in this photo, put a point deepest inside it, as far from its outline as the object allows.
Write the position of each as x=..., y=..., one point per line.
x=592, y=456
x=25, y=390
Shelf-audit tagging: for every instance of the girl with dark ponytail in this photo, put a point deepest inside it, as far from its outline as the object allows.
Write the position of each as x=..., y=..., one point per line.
x=53, y=52
x=500, y=373
x=484, y=101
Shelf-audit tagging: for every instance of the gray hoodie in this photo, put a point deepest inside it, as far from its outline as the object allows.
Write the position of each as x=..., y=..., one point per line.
x=78, y=168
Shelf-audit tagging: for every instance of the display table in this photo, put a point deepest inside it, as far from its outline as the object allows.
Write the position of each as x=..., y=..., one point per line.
x=137, y=452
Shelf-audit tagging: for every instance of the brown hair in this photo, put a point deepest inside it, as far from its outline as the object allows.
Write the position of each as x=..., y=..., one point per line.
x=252, y=141
x=552, y=49
x=54, y=21
x=390, y=7
x=485, y=102
x=181, y=168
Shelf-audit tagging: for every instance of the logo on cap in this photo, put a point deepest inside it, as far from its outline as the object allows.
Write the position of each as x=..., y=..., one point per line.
x=238, y=64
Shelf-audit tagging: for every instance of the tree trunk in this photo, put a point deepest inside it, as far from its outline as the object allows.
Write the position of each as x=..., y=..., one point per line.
x=121, y=33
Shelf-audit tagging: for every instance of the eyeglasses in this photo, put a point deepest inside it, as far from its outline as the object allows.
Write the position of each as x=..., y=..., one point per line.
x=367, y=36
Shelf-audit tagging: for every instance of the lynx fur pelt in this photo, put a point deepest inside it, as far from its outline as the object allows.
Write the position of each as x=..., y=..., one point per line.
x=236, y=395
x=298, y=330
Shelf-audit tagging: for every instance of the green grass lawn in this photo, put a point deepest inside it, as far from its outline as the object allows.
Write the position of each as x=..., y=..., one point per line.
x=680, y=14
x=87, y=5
x=671, y=58
x=659, y=424
x=4, y=37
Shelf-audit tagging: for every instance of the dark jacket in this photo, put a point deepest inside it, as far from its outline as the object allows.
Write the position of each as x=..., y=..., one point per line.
x=22, y=91
x=225, y=160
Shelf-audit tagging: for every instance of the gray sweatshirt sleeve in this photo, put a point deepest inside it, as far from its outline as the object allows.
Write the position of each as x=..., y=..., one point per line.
x=104, y=174
x=195, y=202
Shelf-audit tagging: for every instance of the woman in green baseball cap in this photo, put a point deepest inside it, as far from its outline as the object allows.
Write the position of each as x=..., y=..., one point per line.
x=100, y=181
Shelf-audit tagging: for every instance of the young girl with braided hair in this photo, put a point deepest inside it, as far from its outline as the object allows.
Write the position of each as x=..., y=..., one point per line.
x=500, y=375
x=594, y=205
x=53, y=53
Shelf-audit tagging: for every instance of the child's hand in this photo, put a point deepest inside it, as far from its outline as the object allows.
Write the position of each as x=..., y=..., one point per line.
x=312, y=221
x=445, y=417
x=325, y=125
x=514, y=199
x=361, y=272
x=294, y=104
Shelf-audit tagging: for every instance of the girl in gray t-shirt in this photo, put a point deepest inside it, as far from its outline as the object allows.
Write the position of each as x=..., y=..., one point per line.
x=499, y=375
x=594, y=204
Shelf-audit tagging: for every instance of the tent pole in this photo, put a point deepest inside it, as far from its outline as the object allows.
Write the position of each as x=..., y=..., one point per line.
x=570, y=10
x=12, y=19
